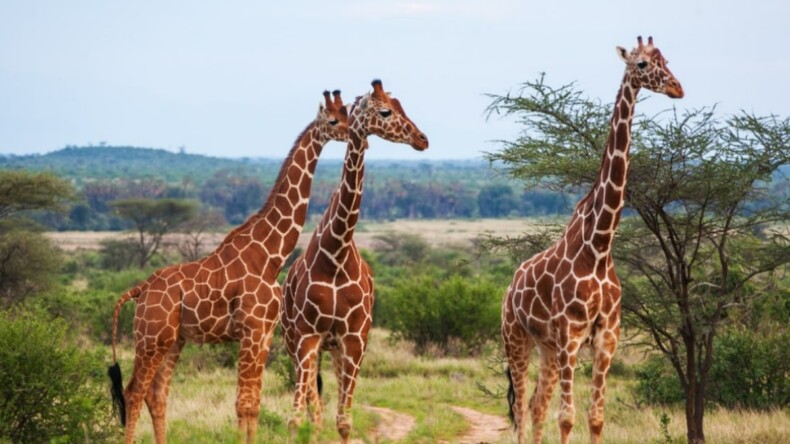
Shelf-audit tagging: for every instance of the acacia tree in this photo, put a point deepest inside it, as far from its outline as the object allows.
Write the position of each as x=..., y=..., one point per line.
x=704, y=229
x=152, y=219
x=27, y=259
x=195, y=230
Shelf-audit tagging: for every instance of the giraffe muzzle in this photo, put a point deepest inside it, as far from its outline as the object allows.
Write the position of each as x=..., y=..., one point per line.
x=674, y=90
x=420, y=142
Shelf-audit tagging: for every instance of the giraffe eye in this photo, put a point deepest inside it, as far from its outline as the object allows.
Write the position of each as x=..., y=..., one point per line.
x=642, y=65
x=385, y=113
x=333, y=122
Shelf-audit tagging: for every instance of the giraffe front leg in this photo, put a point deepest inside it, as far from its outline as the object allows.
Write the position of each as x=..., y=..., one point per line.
x=605, y=344
x=253, y=352
x=351, y=353
x=156, y=400
x=305, y=356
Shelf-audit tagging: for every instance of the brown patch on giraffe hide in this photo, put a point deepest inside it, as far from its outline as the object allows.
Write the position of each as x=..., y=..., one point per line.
x=613, y=197
x=605, y=220
x=600, y=273
x=617, y=171
x=576, y=310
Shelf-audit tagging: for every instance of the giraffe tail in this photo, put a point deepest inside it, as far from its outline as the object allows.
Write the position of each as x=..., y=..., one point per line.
x=319, y=382
x=511, y=397
x=114, y=371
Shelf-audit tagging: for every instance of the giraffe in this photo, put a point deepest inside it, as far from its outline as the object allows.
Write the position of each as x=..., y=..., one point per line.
x=328, y=292
x=569, y=294
x=230, y=295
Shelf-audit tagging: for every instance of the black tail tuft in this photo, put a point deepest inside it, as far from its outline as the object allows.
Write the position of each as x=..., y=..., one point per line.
x=511, y=398
x=318, y=381
x=116, y=390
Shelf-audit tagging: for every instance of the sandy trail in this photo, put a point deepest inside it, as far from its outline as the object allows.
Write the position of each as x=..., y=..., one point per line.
x=483, y=428
x=394, y=426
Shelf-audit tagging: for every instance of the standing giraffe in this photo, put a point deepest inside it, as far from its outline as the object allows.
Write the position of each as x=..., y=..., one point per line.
x=328, y=293
x=230, y=295
x=569, y=294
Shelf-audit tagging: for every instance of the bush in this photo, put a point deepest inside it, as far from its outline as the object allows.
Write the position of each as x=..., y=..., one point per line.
x=751, y=371
x=658, y=383
x=50, y=388
x=456, y=314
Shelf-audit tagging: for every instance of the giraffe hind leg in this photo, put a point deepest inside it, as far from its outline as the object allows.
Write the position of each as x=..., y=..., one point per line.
x=156, y=400
x=518, y=346
x=145, y=368
x=544, y=387
x=604, y=345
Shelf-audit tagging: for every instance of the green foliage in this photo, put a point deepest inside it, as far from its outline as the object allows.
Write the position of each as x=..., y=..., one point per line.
x=28, y=263
x=752, y=370
x=118, y=254
x=455, y=314
x=50, y=387
x=24, y=191
x=657, y=383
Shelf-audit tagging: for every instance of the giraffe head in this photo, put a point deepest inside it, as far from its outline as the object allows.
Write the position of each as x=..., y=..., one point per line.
x=646, y=67
x=378, y=113
x=332, y=118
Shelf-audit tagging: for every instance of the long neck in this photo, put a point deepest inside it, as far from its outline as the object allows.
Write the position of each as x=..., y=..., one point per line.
x=340, y=219
x=607, y=196
x=279, y=222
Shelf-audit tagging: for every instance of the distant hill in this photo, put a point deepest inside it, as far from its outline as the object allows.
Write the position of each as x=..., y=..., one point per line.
x=108, y=162
x=86, y=164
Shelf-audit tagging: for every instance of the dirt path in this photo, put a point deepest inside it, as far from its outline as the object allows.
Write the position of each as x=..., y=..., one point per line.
x=393, y=426
x=483, y=428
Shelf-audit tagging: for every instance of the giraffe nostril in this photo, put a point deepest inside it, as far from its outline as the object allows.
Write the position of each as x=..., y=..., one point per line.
x=422, y=137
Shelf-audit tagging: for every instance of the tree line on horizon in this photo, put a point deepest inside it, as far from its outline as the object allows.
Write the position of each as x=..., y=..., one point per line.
x=235, y=189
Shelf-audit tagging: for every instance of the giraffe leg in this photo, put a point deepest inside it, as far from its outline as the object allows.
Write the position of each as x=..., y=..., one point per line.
x=146, y=365
x=305, y=356
x=254, y=350
x=604, y=343
x=156, y=399
x=352, y=350
x=539, y=402
x=568, y=342
x=518, y=346
x=313, y=397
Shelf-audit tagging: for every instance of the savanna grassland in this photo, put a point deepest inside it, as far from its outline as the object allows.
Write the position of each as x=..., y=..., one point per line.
x=403, y=396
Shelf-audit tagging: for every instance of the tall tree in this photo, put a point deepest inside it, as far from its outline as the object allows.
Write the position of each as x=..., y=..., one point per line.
x=27, y=259
x=704, y=227
x=152, y=219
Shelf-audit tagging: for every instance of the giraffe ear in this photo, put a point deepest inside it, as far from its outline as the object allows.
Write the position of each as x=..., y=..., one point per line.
x=622, y=53
x=363, y=102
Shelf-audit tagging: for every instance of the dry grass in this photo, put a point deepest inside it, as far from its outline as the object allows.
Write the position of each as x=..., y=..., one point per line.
x=201, y=405
x=436, y=232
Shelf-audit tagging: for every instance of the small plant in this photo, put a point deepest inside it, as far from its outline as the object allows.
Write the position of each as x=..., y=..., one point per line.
x=664, y=420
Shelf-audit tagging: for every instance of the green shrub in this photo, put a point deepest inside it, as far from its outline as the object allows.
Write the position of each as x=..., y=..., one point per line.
x=658, y=383
x=456, y=314
x=751, y=370
x=50, y=388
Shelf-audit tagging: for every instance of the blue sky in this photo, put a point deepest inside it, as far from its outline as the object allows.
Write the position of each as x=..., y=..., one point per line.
x=243, y=78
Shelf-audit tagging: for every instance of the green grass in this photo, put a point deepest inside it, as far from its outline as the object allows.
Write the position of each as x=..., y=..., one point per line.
x=201, y=404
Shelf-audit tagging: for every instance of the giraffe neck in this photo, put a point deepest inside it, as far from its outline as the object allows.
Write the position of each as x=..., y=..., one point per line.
x=602, y=212
x=339, y=221
x=279, y=222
